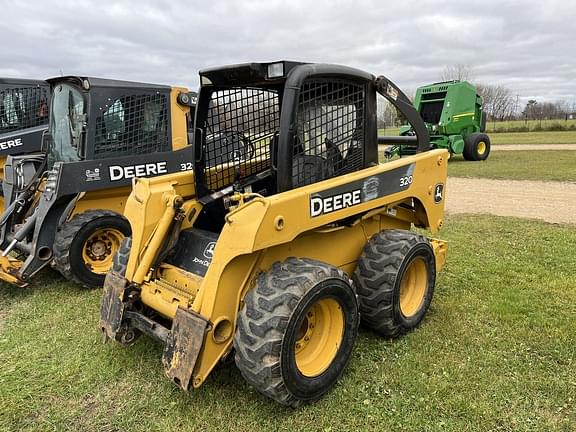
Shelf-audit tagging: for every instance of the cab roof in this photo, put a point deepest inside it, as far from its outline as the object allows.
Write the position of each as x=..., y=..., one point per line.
x=105, y=82
x=22, y=82
x=243, y=73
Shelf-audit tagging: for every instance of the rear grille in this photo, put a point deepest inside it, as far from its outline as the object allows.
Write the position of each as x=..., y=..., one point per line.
x=432, y=96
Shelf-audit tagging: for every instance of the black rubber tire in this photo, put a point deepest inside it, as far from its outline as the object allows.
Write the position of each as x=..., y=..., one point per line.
x=378, y=277
x=471, y=145
x=120, y=260
x=70, y=239
x=270, y=319
x=127, y=335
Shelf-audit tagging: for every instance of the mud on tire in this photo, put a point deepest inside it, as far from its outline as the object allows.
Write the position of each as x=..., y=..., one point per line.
x=120, y=260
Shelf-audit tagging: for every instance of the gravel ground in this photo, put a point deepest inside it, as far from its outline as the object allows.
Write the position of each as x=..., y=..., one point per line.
x=550, y=201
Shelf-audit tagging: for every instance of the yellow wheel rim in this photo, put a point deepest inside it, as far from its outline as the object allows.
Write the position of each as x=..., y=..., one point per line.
x=319, y=337
x=413, y=287
x=99, y=249
x=481, y=148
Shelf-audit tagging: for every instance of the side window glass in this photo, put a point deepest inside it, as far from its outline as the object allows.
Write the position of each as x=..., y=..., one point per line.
x=238, y=131
x=330, y=131
x=114, y=120
x=23, y=108
x=133, y=125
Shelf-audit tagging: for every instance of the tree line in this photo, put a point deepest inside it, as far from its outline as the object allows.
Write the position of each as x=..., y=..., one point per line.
x=500, y=102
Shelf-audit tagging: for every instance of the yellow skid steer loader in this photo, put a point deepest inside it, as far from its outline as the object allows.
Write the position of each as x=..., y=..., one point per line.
x=286, y=234
x=64, y=206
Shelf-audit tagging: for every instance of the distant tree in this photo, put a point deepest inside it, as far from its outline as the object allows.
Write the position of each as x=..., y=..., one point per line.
x=499, y=102
x=531, y=110
x=460, y=72
x=387, y=115
x=381, y=106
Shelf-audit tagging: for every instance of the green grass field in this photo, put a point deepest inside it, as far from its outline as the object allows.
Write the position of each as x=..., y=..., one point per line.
x=499, y=126
x=560, y=137
x=389, y=132
x=495, y=353
x=551, y=165
x=530, y=124
x=568, y=137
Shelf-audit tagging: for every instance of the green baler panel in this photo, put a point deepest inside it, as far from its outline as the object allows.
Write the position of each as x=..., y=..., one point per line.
x=453, y=107
x=452, y=143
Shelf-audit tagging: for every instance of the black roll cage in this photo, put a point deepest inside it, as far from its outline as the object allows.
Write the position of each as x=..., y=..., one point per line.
x=253, y=75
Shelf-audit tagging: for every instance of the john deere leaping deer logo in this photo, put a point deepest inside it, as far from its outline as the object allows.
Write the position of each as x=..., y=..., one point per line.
x=209, y=250
x=439, y=193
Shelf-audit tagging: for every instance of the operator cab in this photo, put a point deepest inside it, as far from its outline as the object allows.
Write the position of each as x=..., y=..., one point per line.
x=94, y=118
x=266, y=128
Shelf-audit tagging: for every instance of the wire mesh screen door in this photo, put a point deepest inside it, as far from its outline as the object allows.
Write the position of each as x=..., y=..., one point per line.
x=239, y=129
x=330, y=131
x=133, y=124
x=23, y=107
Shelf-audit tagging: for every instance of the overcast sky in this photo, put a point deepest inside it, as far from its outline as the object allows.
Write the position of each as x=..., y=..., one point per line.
x=528, y=46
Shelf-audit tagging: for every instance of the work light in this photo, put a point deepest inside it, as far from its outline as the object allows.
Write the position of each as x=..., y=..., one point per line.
x=276, y=70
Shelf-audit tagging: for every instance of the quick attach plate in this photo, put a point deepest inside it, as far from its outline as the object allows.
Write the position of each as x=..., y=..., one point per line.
x=183, y=346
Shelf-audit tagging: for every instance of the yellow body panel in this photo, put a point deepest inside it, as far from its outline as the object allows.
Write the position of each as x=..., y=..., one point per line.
x=179, y=114
x=262, y=231
x=151, y=197
x=8, y=266
x=106, y=199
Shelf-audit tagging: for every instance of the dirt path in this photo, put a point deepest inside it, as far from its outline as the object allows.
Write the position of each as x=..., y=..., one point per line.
x=550, y=201
x=533, y=147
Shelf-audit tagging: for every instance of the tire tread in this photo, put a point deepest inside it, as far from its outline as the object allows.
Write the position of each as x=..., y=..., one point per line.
x=264, y=318
x=375, y=277
x=64, y=238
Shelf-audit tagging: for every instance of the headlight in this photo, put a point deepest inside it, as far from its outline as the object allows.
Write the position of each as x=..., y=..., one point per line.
x=51, y=184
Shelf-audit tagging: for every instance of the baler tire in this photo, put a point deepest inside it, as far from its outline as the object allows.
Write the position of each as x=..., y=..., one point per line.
x=277, y=349
x=70, y=244
x=476, y=147
x=390, y=304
